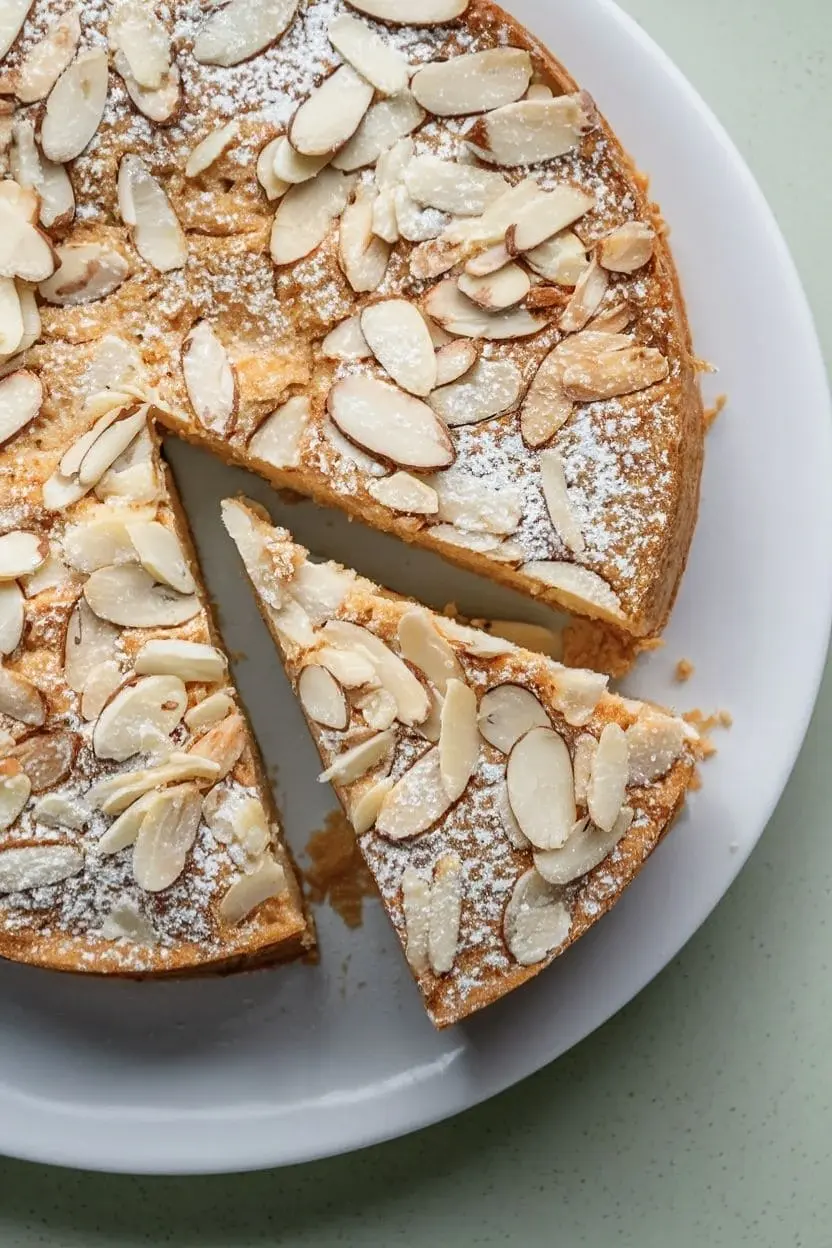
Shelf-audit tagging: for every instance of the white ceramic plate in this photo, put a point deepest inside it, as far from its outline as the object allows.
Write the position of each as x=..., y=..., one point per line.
x=285, y=1065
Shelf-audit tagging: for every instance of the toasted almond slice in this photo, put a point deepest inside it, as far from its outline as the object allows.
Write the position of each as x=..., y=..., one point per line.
x=431, y=727
x=385, y=221
x=490, y=228
x=353, y=668
x=423, y=646
x=274, y=186
x=454, y=360
x=433, y=258
x=558, y=504
x=373, y=58
x=134, y=477
x=416, y=802
x=222, y=744
x=136, y=31
x=11, y=317
x=21, y=396
x=489, y=261
x=405, y=493
x=59, y=810
x=355, y=763
x=57, y=198
x=464, y=190
x=383, y=125
x=209, y=378
x=20, y=197
x=305, y=215
x=101, y=538
x=454, y=311
x=395, y=676
x=46, y=759
x=89, y=642
x=363, y=256
x=517, y=838
x=161, y=554
x=586, y=848
x=110, y=444
x=400, y=13
x=503, y=289
x=117, y=792
x=239, y=30
x=470, y=503
x=473, y=640
x=292, y=168
x=539, y=91
x=536, y=922
x=561, y=259
x=445, y=914
x=85, y=272
x=25, y=251
x=15, y=790
x=627, y=248
x=613, y=373
x=161, y=105
x=459, y=738
x=165, y=837
x=346, y=342
x=541, y=789
x=53, y=574
x=378, y=708
x=416, y=892
x=37, y=866
x=126, y=922
x=546, y=407
x=209, y=149
x=20, y=699
x=581, y=589
x=535, y=637
x=75, y=106
x=608, y=777
x=31, y=319
x=12, y=17
x=390, y=424
x=331, y=115
x=189, y=660
x=586, y=748
x=507, y=713
x=322, y=698
x=474, y=83
x=248, y=892
x=654, y=742
x=208, y=712
x=21, y=553
x=101, y=684
x=481, y=543
x=546, y=216
x=587, y=298
x=414, y=223
x=11, y=617
x=157, y=234
x=278, y=440
x=128, y=596
x=397, y=335
x=152, y=703
x=532, y=131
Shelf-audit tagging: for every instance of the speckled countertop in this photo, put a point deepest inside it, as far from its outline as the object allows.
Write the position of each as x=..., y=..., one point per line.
x=720, y=1137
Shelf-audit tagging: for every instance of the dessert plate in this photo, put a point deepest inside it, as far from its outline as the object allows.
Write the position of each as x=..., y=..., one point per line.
x=293, y=1063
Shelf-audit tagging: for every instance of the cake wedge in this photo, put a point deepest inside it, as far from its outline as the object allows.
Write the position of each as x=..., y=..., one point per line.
x=502, y=802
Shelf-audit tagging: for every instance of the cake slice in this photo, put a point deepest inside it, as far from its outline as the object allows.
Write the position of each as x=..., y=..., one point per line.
x=502, y=801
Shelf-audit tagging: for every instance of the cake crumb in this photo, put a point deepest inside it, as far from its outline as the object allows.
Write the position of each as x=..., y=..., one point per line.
x=711, y=413
x=683, y=671
x=705, y=724
x=337, y=874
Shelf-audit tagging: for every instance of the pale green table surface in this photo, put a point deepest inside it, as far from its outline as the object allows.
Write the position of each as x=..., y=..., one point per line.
x=700, y=1116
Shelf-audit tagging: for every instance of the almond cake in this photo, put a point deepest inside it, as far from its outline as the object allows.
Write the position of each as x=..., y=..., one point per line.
x=502, y=801
x=399, y=264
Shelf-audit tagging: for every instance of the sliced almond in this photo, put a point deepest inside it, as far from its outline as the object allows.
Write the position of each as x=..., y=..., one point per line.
x=432, y=259
x=355, y=763
x=474, y=83
x=454, y=311
x=627, y=248
x=100, y=539
x=580, y=589
x=240, y=29
x=586, y=848
x=37, y=866
x=489, y=261
x=332, y=113
x=222, y=744
x=20, y=198
x=209, y=149
x=374, y=59
x=134, y=477
x=102, y=682
x=545, y=216
x=507, y=713
x=126, y=922
x=289, y=166
x=322, y=698
x=75, y=106
x=532, y=131
x=249, y=892
x=151, y=703
x=25, y=251
x=558, y=503
x=385, y=220
x=165, y=837
x=20, y=699
x=473, y=640
x=465, y=190
x=346, y=342
x=57, y=197
x=490, y=229
x=158, y=237
x=46, y=759
x=481, y=543
x=209, y=711
x=395, y=676
x=129, y=596
x=539, y=91
x=415, y=223
x=587, y=298
x=20, y=554
x=397, y=335
x=86, y=272
x=535, y=637
x=453, y=361
x=274, y=186
x=425, y=647
x=416, y=802
x=491, y=388
x=89, y=642
x=189, y=660
x=654, y=743
x=11, y=317
x=305, y=215
x=58, y=810
x=405, y=493
x=540, y=787
x=511, y=827
x=136, y=31
x=546, y=407
x=209, y=378
x=586, y=748
x=161, y=104
x=383, y=125
x=416, y=892
x=503, y=289
x=388, y=423
x=352, y=668
x=561, y=259
x=110, y=444
x=31, y=325
x=445, y=914
x=378, y=707
x=116, y=793
x=470, y=503
x=431, y=727
x=15, y=789
x=400, y=13
x=612, y=373
x=536, y=922
x=11, y=617
x=12, y=17
x=278, y=440
x=608, y=778
x=362, y=255
x=459, y=739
